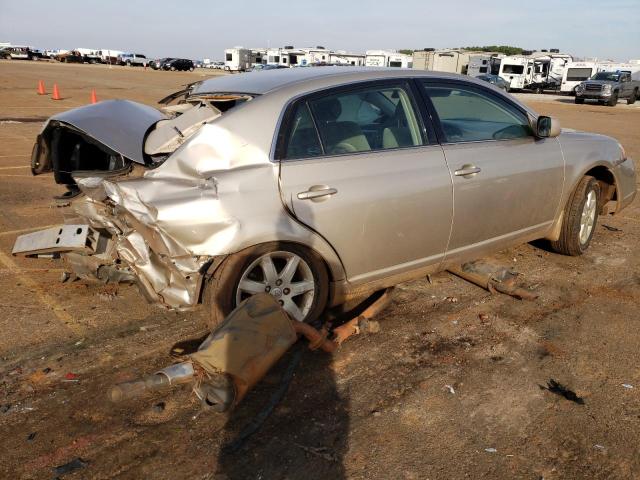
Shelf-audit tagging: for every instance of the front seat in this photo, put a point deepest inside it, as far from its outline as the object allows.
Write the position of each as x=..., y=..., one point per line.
x=397, y=134
x=339, y=136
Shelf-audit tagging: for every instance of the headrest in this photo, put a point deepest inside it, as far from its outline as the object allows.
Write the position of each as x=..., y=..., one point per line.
x=328, y=110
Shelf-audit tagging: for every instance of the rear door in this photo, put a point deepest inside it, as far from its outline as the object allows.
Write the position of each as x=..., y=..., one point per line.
x=507, y=183
x=358, y=167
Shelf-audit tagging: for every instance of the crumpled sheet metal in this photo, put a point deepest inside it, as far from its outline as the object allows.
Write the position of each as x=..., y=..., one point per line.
x=171, y=221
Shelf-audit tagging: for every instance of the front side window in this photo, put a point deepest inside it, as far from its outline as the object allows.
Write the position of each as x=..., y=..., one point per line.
x=470, y=115
x=376, y=118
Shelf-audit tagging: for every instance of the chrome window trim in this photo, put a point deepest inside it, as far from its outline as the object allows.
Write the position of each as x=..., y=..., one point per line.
x=403, y=80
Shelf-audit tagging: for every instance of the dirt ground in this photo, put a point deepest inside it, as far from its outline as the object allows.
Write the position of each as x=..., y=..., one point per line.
x=450, y=387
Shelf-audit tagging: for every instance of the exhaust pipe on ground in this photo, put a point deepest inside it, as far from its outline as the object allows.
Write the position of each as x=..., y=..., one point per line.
x=235, y=356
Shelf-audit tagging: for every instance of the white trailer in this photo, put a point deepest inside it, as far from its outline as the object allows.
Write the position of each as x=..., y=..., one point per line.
x=341, y=57
x=576, y=73
x=548, y=70
x=484, y=64
x=516, y=70
x=388, y=58
x=109, y=56
x=237, y=59
x=453, y=61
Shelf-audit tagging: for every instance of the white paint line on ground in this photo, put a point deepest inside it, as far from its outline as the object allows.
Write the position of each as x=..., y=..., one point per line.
x=17, y=166
x=66, y=320
x=12, y=156
x=25, y=230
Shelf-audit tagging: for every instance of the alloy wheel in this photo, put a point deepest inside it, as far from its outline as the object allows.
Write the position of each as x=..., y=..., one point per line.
x=587, y=219
x=284, y=275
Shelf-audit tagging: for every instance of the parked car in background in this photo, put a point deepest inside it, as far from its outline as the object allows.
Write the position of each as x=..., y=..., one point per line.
x=157, y=64
x=263, y=66
x=183, y=64
x=215, y=65
x=495, y=80
x=336, y=183
x=133, y=60
x=198, y=64
x=71, y=56
x=608, y=87
x=20, y=53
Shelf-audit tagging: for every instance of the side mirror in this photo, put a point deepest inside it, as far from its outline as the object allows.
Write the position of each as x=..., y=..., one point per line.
x=547, y=127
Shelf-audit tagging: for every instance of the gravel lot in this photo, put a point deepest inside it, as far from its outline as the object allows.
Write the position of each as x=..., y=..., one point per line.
x=447, y=389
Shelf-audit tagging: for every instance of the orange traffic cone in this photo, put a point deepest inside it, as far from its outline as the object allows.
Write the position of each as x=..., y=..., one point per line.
x=41, y=90
x=94, y=99
x=56, y=93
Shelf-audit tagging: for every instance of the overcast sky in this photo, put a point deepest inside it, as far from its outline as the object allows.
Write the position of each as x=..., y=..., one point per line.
x=203, y=29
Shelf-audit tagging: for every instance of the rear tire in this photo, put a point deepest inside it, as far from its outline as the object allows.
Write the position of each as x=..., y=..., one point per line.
x=632, y=99
x=580, y=218
x=221, y=289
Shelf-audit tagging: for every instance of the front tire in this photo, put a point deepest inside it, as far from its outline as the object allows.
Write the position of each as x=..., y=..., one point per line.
x=579, y=101
x=613, y=101
x=293, y=274
x=580, y=218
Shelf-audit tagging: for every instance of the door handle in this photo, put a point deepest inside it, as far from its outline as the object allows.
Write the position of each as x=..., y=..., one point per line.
x=317, y=193
x=467, y=171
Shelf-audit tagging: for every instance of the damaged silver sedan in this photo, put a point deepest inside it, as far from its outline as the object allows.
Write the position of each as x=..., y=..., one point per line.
x=317, y=186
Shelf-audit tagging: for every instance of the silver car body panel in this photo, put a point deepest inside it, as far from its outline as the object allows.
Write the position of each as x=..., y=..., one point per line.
x=222, y=191
x=119, y=124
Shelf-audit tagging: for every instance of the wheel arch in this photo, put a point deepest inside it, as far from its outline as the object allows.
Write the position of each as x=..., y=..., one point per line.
x=330, y=260
x=608, y=187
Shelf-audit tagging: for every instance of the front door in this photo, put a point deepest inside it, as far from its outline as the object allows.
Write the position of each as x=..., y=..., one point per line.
x=507, y=183
x=357, y=168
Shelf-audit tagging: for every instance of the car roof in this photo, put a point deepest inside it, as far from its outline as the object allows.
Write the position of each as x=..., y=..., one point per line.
x=278, y=79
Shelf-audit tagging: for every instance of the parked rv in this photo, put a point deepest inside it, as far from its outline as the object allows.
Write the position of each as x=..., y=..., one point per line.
x=482, y=64
x=109, y=56
x=388, y=58
x=576, y=73
x=537, y=71
x=608, y=87
x=454, y=61
x=237, y=59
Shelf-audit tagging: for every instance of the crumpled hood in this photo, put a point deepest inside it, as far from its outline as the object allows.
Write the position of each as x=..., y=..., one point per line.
x=121, y=125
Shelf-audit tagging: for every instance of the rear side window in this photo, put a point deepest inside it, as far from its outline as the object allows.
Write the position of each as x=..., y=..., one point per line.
x=303, y=139
x=376, y=118
x=469, y=115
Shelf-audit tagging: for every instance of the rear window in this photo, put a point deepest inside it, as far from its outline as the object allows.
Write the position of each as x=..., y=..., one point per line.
x=578, y=74
x=515, y=69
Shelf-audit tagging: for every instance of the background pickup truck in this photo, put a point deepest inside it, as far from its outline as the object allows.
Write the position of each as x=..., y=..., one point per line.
x=132, y=59
x=608, y=87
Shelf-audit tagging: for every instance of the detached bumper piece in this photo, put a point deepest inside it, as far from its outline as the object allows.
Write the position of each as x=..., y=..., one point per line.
x=56, y=240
